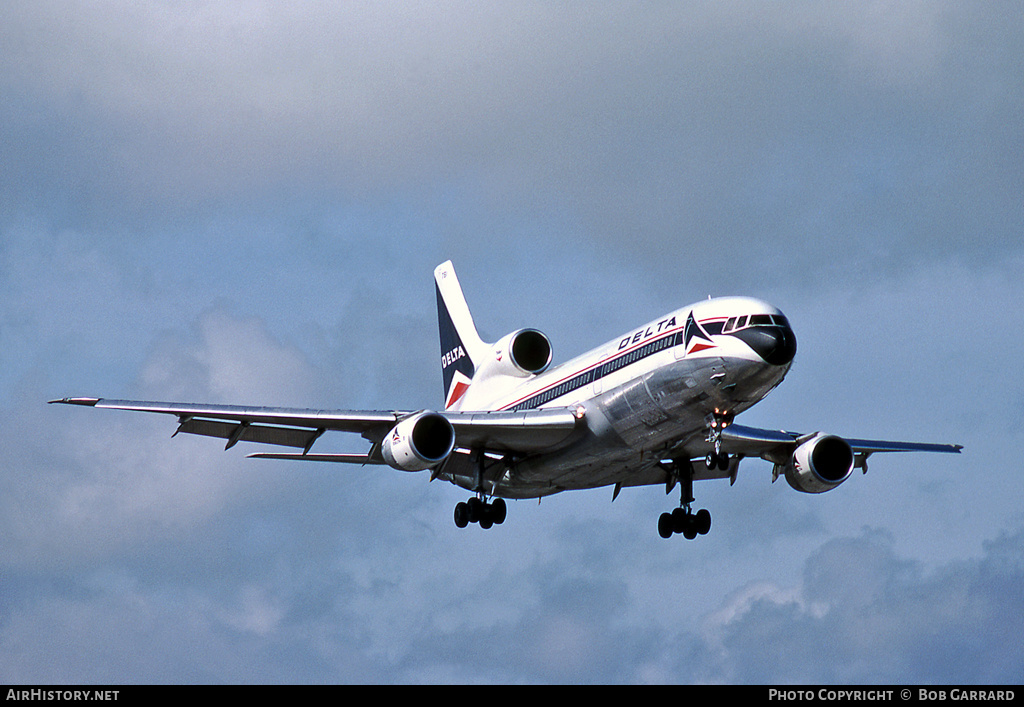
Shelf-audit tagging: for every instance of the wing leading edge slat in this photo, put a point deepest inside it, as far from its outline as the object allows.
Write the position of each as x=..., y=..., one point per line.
x=343, y=420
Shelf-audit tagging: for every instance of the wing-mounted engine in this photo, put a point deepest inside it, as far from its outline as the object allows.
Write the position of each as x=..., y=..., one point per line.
x=521, y=354
x=418, y=442
x=820, y=464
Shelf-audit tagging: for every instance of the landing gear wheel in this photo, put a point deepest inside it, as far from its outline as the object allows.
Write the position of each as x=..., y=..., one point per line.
x=680, y=517
x=702, y=521
x=461, y=515
x=476, y=510
x=684, y=522
x=498, y=511
x=666, y=526
x=689, y=532
x=718, y=461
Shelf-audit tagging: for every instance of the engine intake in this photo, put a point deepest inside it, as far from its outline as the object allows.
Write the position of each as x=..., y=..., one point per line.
x=530, y=351
x=820, y=464
x=419, y=442
x=521, y=354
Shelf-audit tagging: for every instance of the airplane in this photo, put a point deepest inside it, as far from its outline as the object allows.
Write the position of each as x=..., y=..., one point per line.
x=654, y=406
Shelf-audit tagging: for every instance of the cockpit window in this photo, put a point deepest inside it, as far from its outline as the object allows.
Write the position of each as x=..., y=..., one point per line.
x=735, y=323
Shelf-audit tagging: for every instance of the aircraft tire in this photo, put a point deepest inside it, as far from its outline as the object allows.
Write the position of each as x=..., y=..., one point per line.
x=476, y=509
x=461, y=515
x=689, y=525
x=666, y=526
x=498, y=511
x=702, y=521
x=679, y=520
x=690, y=529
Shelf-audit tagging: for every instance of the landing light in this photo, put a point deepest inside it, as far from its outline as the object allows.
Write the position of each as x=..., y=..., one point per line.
x=719, y=419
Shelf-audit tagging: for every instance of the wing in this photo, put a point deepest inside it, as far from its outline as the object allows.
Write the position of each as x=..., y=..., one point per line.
x=778, y=446
x=513, y=432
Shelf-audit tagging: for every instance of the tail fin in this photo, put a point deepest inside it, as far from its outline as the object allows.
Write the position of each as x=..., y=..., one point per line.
x=461, y=347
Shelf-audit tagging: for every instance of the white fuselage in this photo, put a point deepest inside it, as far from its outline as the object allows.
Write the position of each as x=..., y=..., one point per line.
x=645, y=396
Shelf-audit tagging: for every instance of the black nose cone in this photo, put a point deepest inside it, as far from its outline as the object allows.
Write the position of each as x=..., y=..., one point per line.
x=776, y=344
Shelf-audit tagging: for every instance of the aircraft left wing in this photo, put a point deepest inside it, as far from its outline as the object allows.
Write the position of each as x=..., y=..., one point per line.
x=512, y=432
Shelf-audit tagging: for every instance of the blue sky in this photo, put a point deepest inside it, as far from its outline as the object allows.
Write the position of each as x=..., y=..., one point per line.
x=244, y=202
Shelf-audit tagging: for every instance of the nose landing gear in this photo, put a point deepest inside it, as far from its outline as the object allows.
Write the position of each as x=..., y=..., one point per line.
x=716, y=423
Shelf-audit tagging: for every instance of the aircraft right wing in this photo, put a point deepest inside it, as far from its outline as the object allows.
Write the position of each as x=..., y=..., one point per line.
x=815, y=462
x=770, y=444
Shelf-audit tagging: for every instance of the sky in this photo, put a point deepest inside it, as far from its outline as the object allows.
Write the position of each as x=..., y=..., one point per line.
x=244, y=202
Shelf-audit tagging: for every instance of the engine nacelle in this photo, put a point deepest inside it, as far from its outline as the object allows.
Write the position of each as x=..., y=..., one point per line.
x=522, y=353
x=820, y=464
x=419, y=442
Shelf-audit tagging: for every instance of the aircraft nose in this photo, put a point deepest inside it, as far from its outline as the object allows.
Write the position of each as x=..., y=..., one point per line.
x=780, y=346
x=775, y=344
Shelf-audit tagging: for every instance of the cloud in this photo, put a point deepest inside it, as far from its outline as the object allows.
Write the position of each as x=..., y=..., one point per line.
x=775, y=135
x=862, y=614
x=859, y=613
x=244, y=205
x=97, y=487
x=228, y=360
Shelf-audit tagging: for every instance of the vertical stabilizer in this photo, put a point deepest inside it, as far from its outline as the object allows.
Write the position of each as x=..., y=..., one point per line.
x=461, y=346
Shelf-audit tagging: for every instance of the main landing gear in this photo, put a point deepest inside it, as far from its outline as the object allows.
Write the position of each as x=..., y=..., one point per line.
x=477, y=509
x=683, y=519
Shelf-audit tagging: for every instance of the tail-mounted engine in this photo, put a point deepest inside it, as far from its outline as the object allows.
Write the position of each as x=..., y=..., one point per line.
x=820, y=464
x=530, y=351
x=522, y=353
x=419, y=442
